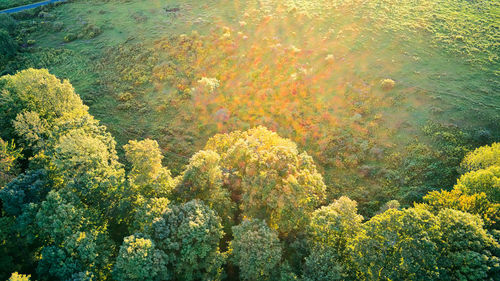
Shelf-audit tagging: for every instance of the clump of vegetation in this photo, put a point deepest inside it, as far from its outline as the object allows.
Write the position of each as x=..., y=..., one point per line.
x=8, y=23
x=8, y=46
x=89, y=31
x=387, y=84
x=70, y=37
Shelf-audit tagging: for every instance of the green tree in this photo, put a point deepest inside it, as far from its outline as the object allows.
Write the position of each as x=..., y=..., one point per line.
x=89, y=251
x=467, y=250
x=482, y=158
x=8, y=47
x=9, y=156
x=19, y=277
x=138, y=259
x=7, y=23
x=485, y=181
x=335, y=224
x=420, y=168
x=33, y=132
x=58, y=217
x=60, y=207
x=37, y=91
x=256, y=250
x=202, y=179
x=324, y=264
x=330, y=229
x=147, y=174
x=81, y=156
x=476, y=192
x=475, y=204
x=31, y=187
x=190, y=234
x=74, y=238
x=268, y=178
x=146, y=211
x=397, y=245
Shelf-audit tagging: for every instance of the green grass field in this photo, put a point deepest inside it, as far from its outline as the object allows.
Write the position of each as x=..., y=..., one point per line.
x=310, y=70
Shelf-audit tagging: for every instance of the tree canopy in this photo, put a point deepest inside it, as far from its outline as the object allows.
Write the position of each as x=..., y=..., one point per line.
x=249, y=206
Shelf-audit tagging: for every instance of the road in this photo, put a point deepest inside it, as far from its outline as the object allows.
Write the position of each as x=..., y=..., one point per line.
x=30, y=6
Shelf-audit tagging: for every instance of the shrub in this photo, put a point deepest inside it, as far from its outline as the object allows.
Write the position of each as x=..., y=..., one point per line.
x=387, y=84
x=70, y=37
x=90, y=31
x=57, y=26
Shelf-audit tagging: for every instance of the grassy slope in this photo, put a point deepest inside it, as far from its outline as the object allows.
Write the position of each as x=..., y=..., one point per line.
x=445, y=70
x=6, y=4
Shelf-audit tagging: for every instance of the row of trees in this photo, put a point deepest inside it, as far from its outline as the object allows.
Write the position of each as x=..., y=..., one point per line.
x=249, y=206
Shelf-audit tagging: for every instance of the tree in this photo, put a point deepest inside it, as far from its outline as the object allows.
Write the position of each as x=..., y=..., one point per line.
x=268, y=178
x=59, y=217
x=482, y=158
x=138, y=259
x=37, y=91
x=146, y=211
x=476, y=192
x=477, y=204
x=331, y=228
x=189, y=234
x=485, y=181
x=256, y=250
x=19, y=277
x=60, y=205
x=397, y=245
x=8, y=161
x=31, y=187
x=467, y=250
x=392, y=204
x=147, y=173
x=81, y=156
x=8, y=47
x=202, y=179
x=33, y=132
x=324, y=264
x=7, y=23
x=335, y=224
x=72, y=244
x=421, y=168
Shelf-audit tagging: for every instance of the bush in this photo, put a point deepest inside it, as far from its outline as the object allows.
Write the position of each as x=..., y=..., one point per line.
x=387, y=84
x=90, y=31
x=70, y=37
x=57, y=26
